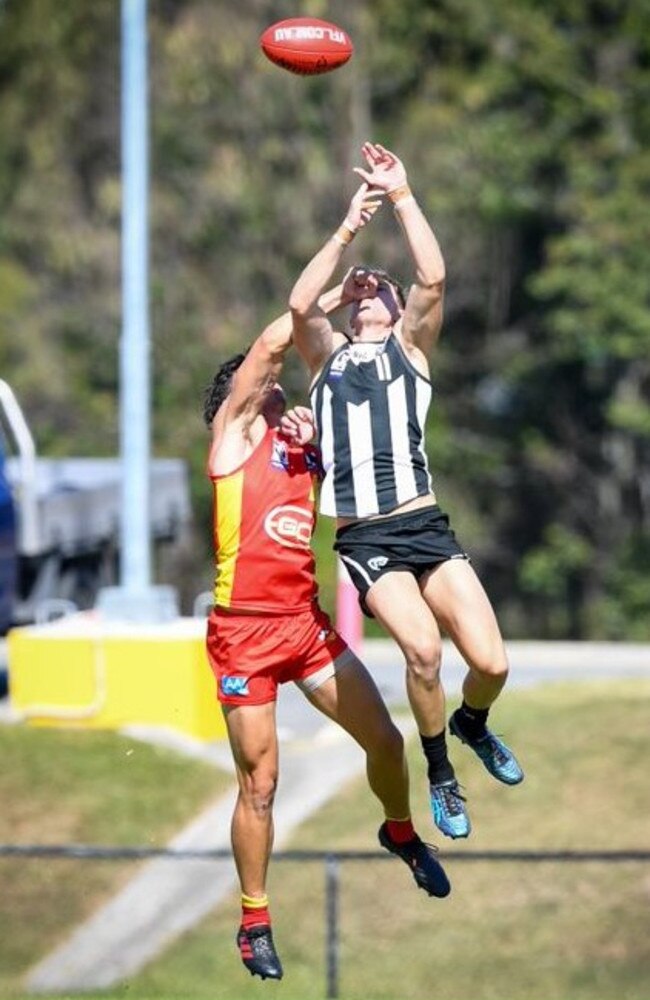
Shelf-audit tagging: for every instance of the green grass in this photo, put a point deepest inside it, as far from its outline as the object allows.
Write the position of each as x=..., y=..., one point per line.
x=82, y=787
x=326, y=562
x=509, y=931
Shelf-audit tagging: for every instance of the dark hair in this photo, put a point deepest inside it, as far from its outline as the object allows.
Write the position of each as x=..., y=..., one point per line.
x=385, y=278
x=219, y=388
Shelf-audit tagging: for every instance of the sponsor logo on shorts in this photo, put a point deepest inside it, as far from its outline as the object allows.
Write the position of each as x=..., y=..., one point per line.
x=290, y=526
x=377, y=562
x=235, y=685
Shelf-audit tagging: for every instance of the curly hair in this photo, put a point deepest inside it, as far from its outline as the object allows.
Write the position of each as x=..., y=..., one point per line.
x=219, y=389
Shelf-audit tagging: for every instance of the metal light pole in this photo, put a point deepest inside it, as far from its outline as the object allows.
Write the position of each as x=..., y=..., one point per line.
x=135, y=598
x=134, y=352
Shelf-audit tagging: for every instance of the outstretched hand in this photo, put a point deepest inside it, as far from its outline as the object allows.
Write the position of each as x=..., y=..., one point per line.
x=363, y=206
x=385, y=172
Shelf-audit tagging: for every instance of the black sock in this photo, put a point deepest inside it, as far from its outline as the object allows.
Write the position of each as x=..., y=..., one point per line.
x=471, y=721
x=439, y=767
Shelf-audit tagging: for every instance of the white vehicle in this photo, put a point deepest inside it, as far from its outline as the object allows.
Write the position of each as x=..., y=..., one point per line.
x=60, y=540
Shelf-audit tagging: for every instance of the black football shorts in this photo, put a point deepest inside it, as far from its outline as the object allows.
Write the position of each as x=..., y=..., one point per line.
x=413, y=543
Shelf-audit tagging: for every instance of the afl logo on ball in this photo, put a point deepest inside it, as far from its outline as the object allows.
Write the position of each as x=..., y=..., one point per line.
x=290, y=526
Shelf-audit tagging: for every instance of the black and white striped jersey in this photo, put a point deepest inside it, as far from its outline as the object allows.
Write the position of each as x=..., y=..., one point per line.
x=370, y=405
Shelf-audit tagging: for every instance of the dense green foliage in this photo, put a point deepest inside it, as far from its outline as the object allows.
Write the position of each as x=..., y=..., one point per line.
x=525, y=129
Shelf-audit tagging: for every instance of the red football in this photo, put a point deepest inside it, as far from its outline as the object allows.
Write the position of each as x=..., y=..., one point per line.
x=306, y=45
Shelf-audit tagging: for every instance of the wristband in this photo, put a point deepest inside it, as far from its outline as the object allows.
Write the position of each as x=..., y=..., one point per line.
x=344, y=234
x=400, y=194
x=403, y=201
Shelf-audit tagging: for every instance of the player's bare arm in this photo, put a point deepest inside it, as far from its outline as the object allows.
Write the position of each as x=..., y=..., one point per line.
x=258, y=373
x=313, y=333
x=422, y=318
x=235, y=429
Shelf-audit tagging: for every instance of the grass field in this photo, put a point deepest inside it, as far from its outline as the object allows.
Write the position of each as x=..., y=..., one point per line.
x=80, y=787
x=509, y=931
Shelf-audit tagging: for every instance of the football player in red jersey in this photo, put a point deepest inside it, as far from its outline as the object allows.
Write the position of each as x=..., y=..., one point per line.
x=267, y=628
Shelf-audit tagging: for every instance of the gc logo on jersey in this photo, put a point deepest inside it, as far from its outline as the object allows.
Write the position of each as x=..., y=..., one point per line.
x=290, y=526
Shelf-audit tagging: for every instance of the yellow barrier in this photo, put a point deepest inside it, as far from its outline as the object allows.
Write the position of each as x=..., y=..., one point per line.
x=81, y=671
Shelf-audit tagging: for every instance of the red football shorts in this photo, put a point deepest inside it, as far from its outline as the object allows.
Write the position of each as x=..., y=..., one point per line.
x=251, y=654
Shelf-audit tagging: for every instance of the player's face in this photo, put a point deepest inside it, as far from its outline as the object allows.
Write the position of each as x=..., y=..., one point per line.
x=275, y=402
x=388, y=294
x=379, y=305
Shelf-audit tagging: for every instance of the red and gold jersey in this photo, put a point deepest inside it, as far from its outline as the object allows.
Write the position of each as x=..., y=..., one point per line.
x=264, y=516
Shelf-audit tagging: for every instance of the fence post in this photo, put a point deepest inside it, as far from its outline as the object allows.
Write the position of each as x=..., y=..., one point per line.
x=332, y=925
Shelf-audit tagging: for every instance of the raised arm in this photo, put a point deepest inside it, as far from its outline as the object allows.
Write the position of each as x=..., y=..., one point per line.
x=422, y=318
x=313, y=333
x=259, y=371
x=238, y=394
x=261, y=367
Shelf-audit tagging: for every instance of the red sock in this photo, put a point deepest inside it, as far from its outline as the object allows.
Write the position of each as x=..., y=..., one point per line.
x=255, y=911
x=400, y=830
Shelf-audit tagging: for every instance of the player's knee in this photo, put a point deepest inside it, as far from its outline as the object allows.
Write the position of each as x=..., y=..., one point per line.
x=423, y=660
x=258, y=788
x=492, y=667
x=499, y=672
